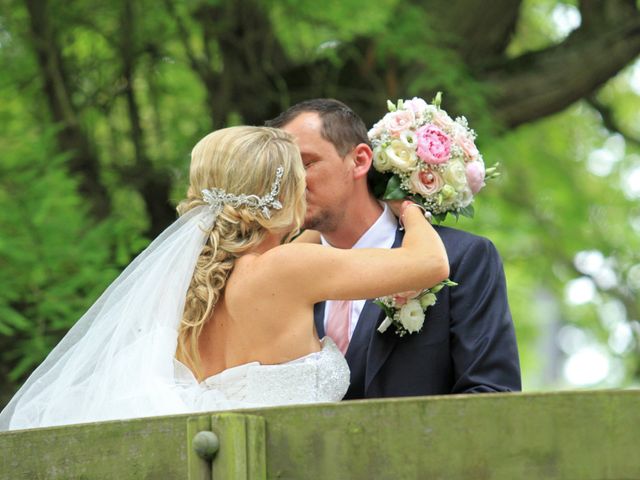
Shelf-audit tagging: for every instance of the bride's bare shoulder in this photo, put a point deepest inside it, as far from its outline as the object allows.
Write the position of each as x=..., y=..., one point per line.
x=290, y=252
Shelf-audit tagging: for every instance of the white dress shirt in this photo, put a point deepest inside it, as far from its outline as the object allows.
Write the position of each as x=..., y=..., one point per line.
x=381, y=234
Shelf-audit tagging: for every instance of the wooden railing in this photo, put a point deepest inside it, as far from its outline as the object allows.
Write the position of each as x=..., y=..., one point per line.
x=569, y=435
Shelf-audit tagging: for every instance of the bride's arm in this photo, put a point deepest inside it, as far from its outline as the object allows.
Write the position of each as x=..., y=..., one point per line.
x=315, y=273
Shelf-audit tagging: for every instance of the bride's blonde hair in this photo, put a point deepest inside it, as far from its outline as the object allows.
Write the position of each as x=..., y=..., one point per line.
x=238, y=160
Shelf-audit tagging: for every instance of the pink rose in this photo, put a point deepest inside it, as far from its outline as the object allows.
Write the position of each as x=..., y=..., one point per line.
x=466, y=143
x=425, y=182
x=398, y=121
x=475, y=176
x=434, y=146
x=441, y=119
x=404, y=297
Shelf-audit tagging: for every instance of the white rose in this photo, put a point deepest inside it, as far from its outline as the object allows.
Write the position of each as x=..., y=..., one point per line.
x=455, y=174
x=466, y=197
x=381, y=161
x=409, y=139
x=412, y=316
x=417, y=105
x=401, y=157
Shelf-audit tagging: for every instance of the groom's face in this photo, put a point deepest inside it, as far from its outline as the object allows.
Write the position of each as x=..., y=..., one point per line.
x=329, y=176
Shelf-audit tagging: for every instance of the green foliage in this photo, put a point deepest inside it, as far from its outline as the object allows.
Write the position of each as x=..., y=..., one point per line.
x=306, y=30
x=161, y=64
x=55, y=260
x=545, y=209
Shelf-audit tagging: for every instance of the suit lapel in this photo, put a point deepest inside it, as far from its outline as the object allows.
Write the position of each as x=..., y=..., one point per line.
x=365, y=335
x=318, y=318
x=382, y=344
x=362, y=334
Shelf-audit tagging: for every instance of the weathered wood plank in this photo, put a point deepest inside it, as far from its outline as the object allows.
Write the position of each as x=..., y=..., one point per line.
x=242, y=447
x=570, y=435
x=152, y=448
x=574, y=435
x=199, y=468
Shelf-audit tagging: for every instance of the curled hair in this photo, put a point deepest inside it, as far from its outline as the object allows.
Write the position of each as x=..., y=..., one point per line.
x=237, y=160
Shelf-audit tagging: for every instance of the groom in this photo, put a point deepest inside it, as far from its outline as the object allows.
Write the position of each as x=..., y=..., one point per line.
x=467, y=344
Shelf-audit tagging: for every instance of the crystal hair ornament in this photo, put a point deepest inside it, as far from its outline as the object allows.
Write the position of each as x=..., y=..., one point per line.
x=217, y=198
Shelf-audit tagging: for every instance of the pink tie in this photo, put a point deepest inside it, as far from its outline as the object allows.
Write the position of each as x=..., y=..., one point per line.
x=338, y=323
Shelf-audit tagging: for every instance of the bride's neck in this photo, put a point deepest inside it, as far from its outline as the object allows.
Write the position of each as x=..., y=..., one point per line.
x=270, y=241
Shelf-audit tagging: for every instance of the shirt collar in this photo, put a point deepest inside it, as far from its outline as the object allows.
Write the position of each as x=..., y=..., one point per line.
x=381, y=234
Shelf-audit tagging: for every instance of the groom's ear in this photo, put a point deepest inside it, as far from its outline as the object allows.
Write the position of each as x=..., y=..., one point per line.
x=362, y=158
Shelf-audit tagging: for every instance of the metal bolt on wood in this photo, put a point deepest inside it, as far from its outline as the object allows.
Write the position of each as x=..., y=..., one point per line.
x=206, y=444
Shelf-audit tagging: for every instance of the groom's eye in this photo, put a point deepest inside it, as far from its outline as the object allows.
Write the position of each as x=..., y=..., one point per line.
x=309, y=159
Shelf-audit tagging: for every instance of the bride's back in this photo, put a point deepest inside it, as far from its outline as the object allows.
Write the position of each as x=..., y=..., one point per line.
x=253, y=180
x=255, y=321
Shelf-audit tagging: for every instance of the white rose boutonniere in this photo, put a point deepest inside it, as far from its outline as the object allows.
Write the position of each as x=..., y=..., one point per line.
x=406, y=311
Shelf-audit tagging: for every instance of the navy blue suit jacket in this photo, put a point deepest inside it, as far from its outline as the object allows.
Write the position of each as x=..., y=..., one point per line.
x=467, y=343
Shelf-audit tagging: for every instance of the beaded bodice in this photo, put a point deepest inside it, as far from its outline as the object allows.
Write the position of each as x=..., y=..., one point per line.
x=318, y=377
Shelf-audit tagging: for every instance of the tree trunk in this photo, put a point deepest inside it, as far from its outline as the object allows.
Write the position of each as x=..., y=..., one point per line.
x=71, y=138
x=153, y=185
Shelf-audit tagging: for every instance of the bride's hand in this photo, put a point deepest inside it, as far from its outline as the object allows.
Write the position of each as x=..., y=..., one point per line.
x=395, y=206
x=398, y=207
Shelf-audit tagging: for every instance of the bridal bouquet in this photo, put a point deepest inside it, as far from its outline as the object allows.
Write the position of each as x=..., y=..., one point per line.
x=421, y=153
x=425, y=155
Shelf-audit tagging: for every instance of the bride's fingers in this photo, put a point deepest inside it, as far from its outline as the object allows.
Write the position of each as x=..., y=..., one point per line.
x=395, y=206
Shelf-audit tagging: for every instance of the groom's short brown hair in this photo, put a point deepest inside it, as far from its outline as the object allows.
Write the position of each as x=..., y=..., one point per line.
x=340, y=125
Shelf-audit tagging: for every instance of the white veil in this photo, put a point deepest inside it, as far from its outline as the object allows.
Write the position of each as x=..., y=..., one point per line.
x=117, y=361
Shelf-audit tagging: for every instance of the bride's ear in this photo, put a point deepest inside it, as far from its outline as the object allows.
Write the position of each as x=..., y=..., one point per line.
x=362, y=158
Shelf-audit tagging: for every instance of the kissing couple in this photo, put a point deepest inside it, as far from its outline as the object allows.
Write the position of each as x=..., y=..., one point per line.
x=232, y=307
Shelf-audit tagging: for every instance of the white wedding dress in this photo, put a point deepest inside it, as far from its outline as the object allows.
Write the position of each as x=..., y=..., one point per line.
x=118, y=360
x=318, y=377
x=321, y=376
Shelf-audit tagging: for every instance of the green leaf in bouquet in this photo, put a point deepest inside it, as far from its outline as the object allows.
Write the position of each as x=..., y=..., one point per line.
x=378, y=182
x=437, y=100
x=427, y=299
x=387, y=310
x=394, y=191
x=492, y=172
x=468, y=211
x=439, y=217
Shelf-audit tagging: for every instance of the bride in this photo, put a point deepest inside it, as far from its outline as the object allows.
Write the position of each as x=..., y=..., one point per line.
x=217, y=313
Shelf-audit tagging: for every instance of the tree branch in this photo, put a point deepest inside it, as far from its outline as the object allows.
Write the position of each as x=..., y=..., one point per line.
x=609, y=120
x=541, y=83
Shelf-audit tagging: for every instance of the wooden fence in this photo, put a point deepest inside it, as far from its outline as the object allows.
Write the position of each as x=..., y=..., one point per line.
x=568, y=435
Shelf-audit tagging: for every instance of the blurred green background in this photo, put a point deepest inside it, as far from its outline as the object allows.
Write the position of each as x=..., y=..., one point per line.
x=101, y=102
